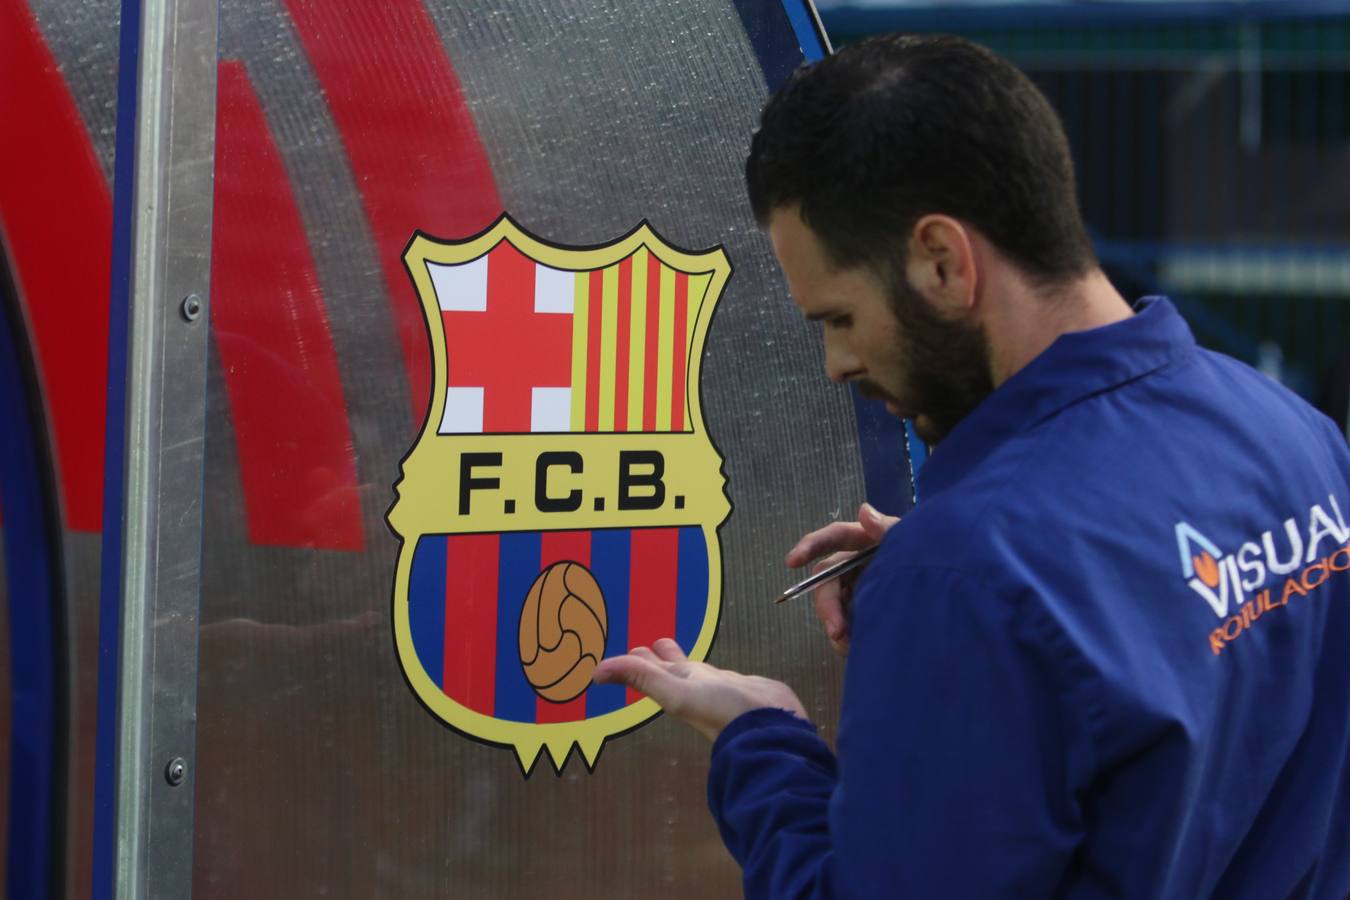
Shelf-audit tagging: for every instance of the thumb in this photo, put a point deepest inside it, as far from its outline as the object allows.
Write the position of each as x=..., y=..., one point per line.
x=874, y=523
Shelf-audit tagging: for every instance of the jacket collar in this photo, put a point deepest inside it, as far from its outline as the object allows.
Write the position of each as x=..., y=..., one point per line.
x=1077, y=365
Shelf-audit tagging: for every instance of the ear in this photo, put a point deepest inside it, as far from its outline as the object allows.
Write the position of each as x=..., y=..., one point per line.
x=942, y=265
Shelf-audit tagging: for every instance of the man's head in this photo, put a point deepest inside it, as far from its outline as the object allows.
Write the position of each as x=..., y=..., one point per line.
x=889, y=176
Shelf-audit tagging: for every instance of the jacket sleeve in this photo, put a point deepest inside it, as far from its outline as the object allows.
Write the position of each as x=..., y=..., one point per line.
x=961, y=757
x=769, y=789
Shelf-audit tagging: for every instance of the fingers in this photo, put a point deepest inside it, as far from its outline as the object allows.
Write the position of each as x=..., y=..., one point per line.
x=830, y=539
x=832, y=559
x=618, y=669
x=669, y=651
x=874, y=523
x=870, y=528
x=829, y=602
x=644, y=673
x=643, y=664
x=694, y=693
x=663, y=651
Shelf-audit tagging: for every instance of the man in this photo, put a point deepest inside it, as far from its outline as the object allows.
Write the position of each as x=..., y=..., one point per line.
x=1106, y=654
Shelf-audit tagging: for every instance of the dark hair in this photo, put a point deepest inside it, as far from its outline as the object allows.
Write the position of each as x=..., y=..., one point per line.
x=888, y=130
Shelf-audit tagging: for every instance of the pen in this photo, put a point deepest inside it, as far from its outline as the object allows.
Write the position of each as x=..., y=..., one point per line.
x=829, y=574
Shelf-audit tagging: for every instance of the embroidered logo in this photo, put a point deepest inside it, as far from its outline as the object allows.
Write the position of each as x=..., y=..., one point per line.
x=1238, y=581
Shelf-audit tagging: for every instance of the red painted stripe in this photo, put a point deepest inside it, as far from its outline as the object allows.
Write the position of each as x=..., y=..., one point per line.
x=556, y=546
x=621, y=363
x=654, y=570
x=296, y=463
x=414, y=149
x=653, y=340
x=56, y=226
x=593, y=327
x=471, y=620
x=679, y=351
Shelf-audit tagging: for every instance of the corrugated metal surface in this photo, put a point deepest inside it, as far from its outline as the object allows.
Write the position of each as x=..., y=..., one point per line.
x=343, y=128
x=319, y=772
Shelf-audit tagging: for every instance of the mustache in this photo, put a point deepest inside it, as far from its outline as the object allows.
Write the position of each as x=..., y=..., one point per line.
x=871, y=390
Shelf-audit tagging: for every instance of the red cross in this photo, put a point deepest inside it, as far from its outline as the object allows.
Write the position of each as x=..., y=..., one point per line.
x=508, y=348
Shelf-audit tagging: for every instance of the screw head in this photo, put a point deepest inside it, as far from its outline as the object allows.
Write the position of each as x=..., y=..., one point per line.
x=192, y=307
x=176, y=771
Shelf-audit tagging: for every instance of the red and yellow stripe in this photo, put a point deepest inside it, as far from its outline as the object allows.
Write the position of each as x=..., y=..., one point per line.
x=632, y=331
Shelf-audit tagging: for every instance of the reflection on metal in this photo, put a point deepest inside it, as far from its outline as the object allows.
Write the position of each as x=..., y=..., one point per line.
x=346, y=125
x=35, y=644
x=891, y=451
x=175, y=110
x=563, y=500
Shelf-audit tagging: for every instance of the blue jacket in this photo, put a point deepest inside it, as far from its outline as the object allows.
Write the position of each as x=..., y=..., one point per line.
x=1108, y=654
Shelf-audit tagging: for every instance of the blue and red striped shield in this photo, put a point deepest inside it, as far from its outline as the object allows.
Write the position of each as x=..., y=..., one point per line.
x=562, y=501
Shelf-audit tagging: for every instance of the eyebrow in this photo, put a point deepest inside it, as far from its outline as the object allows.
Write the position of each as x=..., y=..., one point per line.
x=820, y=316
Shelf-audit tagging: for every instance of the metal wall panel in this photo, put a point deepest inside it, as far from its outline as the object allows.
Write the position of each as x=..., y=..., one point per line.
x=318, y=770
x=35, y=648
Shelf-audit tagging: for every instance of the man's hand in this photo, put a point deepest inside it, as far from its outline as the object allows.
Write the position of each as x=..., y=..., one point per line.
x=839, y=540
x=698, y=694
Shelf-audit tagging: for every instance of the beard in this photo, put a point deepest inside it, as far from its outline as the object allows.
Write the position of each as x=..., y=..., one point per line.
x=946, y=363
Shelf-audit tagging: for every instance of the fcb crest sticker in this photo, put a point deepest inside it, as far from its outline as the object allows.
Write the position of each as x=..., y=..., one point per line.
x=562, y=501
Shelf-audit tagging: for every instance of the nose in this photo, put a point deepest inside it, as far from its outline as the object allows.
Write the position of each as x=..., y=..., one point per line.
x=841, y=364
